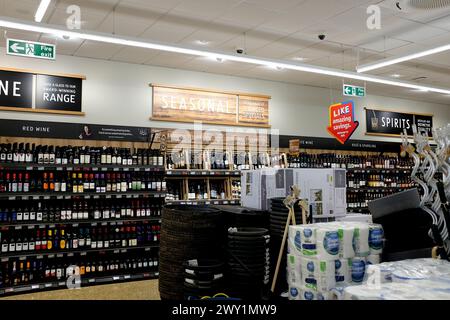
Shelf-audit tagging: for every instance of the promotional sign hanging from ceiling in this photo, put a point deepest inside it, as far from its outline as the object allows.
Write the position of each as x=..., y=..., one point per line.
x=342, y=121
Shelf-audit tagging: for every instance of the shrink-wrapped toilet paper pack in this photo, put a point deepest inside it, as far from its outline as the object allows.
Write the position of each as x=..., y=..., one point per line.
x=294, y=240
x=294, y=273
x=318, y=274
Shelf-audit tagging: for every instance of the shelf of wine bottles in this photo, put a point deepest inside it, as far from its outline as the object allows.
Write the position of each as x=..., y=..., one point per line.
x=29, y=212
x=196, y=172
x=204, y=202
x=24, y=153
x=61, y=238
x=206, y=160
x=368, y=177
x=22, y=274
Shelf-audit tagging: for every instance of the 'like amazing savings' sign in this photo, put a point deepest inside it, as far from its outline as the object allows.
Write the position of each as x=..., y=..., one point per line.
x=342, y=121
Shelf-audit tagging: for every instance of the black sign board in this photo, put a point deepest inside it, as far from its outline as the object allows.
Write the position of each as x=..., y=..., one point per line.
x=59, y=130
x=58, y=93
x=16, y=89
x=333, y=144
x=380, y=122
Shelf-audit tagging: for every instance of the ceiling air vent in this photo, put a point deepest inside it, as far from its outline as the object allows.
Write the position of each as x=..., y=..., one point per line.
x=406, y=5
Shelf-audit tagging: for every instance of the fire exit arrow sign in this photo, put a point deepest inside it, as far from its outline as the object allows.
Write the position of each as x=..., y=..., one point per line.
x=353, y=91
x=30, y=49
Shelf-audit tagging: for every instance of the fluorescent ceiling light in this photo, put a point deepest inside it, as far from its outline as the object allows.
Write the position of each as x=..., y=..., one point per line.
x=399, y=59
x=139, y=43
x=42, y=9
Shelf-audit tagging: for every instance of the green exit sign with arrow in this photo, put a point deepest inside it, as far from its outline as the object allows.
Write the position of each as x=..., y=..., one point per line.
x=30, y=49
x=353, y=91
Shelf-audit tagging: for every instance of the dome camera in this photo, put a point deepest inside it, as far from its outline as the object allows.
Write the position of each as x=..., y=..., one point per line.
x=321, y=36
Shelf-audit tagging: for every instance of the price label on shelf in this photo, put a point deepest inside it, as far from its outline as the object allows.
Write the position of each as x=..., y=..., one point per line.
x=35, y=197
x=48, y=285
x=94, y=169
x=83, y=253
x=225, y=202
x=205, y=173
x=146, y=169
x=216, y=202
x=22, y=258
x=91, y=280
x=18, y=227
x=126, y=169
x=29, y=168
x=123, y=251
x=51, y=256
x=40, y=257
x=116, y=251
x=69, y=168
x=13, y=198
x=9, y=290
x=51, y=226
x=96, y=197
x=30, y=227
x=169, y=173
x=227, y=173
x=59, y=168
x=127, y=277
x=115, y=278
x=61, y=283
x=34, y=287
x=207, y=202
x=70, y=254
x=108, y=196
x=4, y=259
x=40, y=168
x=59, y=197
x=104, y=169
x=147, y=249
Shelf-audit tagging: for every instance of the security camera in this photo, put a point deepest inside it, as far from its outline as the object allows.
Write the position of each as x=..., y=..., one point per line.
x=240, y=50
x=321, y=36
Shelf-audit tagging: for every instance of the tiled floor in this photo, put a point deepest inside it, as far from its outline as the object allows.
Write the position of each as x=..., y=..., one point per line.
x=138, y=290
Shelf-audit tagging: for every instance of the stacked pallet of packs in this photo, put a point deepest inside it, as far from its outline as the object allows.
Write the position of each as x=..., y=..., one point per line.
x=326, y=256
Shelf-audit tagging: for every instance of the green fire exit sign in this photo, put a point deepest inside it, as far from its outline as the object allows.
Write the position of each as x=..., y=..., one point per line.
x=353, y=91
x=30, y=49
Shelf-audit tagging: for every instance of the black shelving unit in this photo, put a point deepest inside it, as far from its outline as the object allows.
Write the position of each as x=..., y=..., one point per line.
x=85, y=281
x=86, y=195
x=61, y=256
x=76, y=222
x=205, y=202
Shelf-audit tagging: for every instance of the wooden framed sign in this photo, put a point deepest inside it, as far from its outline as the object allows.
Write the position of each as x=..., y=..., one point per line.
x=178, y=104
x=26, y=90
x=392, y=123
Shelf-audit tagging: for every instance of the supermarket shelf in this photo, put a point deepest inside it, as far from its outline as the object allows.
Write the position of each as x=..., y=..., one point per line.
x=76, y=222
x=205, y=173
x=84, y=282
x=71, y=167
x=86, y=195
x=71, y=252
x=379, y=170
x=362, y=189
x=206, y=202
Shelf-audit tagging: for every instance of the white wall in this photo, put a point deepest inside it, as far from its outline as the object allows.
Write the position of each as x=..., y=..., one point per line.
x=119, y=94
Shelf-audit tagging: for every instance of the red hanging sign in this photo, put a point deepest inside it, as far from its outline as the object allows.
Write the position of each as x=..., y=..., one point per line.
x=342, y=121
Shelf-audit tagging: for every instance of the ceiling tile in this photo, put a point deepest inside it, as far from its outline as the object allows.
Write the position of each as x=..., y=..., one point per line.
x=161, y=4
x=279, y=5
x=63, y=46
x=385, y=44
x=171, y=60
x=90, y=20
x=171, y=29
x=206, y=9
x=20, y=9
x=123, y=24
x=278, y=49
x=134, y=55
x=97, y=50
x=443, y=23
x=247, y=15
x=214, y=37
x=252, y=40
x=417, y=32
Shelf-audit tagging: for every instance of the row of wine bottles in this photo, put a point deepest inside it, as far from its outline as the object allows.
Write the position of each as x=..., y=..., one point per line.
x=223, y=160
x=83, y=236
x=360, y=200
x=384, y=180
x=332, y=160
x=45, y=154
x=56, y=211
x=79, y=182
x=17, y=272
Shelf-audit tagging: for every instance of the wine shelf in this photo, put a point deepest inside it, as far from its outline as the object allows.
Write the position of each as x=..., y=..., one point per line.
x=71, y=167
x=74, y=223
x=205, y=173
x=86, y=195
x=85, y=281
x=72, y=252
x=205, y=202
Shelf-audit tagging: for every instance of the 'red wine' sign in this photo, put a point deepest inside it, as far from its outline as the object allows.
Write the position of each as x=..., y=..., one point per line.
x=342, y=121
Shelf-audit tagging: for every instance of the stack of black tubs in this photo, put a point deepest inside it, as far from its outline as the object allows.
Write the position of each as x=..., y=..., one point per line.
x=248, y=263
x=278, y=216
x=203, y=278
x=187, y=232
x=241, y=217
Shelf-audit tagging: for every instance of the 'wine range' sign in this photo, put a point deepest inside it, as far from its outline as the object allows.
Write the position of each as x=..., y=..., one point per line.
x=391, y=123
x=214, y=107
x=51, y=93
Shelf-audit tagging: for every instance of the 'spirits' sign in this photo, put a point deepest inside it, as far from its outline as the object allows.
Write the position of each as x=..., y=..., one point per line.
x=32, y=49
x=390, y=123
x=179, y=104
x=342, y=123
